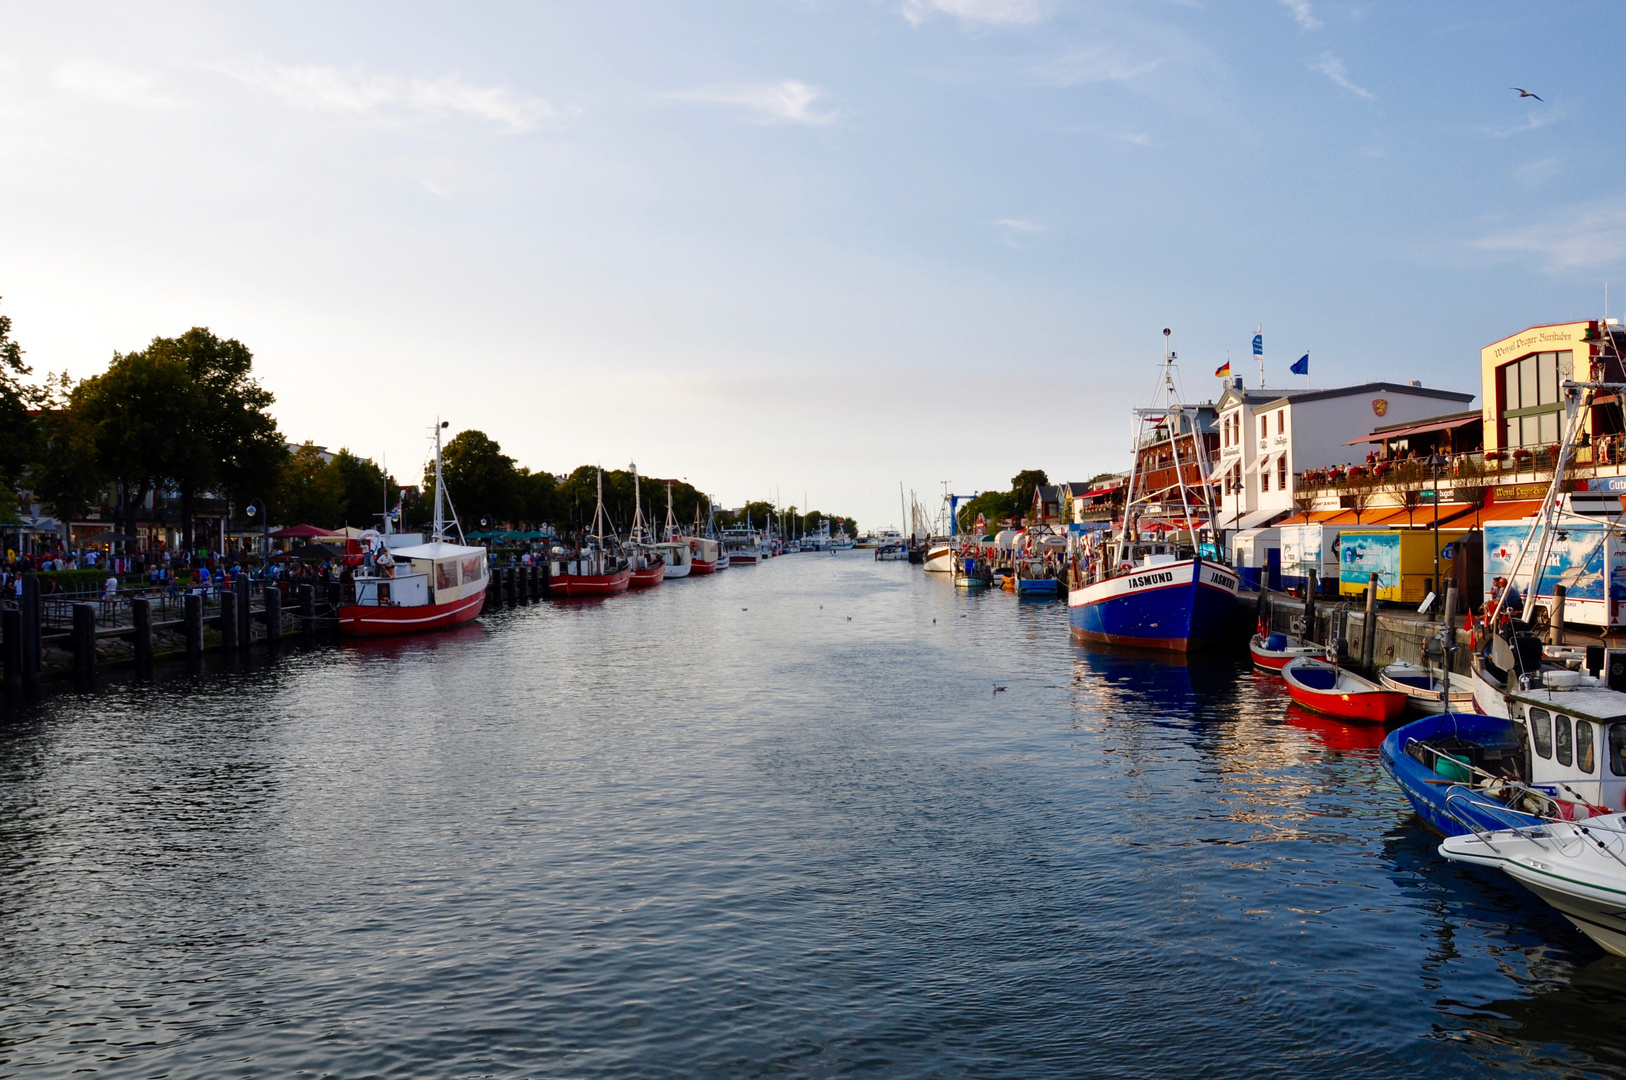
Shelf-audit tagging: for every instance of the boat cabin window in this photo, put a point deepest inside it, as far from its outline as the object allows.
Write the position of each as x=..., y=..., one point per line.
x=1541, y=732
x=1617, y=748
x=1584, y=758
x=1561, y=736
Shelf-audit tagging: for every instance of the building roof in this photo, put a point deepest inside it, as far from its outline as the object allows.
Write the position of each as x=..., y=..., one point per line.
x=1269, y=396
x=1419, y=427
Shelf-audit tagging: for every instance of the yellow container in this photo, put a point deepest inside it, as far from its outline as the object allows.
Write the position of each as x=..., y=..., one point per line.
x=1403, y=559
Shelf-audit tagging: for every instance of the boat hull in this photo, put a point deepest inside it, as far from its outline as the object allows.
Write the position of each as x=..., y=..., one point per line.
x=575, y=585
x=702, y=566
x=368, y=620
x=1273, y=660
x=1176, y=607
x=1037, y=586
x=1450, y=809
x=1420, y=685
x=645, y=579
x=1348, y=697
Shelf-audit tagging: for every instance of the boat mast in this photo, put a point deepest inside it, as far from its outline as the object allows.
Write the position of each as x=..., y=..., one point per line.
x=440, y=517
x=598, y=513
x=1172, y=398
x=638, y=526
x=671, y=522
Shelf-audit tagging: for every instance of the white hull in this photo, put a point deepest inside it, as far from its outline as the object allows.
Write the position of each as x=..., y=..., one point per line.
x=940, y=559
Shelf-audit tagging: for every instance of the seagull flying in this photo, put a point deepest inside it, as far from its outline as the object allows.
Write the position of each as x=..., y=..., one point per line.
x=1525, y=93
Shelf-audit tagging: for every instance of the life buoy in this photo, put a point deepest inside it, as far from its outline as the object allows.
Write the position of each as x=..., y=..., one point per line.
x=1124, y=568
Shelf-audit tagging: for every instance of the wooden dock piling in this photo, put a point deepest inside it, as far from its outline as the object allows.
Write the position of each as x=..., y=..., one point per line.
x=244, y=617
x=11, y=647
x=227, y=620
x=141, y=619
x=307, y=609
x=84, y=642
x=31, y=629
x=192, y=623
x=273, y=615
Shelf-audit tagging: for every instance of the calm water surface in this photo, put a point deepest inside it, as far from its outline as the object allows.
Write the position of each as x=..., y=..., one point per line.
x=771, y=822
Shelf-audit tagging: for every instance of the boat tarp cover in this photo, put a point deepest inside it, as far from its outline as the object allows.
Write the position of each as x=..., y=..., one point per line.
x=440, y=550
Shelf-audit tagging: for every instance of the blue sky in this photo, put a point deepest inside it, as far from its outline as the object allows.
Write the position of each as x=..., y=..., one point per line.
x=814, y=246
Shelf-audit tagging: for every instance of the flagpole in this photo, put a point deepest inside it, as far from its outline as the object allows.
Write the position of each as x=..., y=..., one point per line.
x=1259, y=351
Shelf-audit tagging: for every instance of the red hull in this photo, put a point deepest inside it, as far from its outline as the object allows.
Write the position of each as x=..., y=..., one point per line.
x=568, y=585
x=700, y=566
x=643, y=579
x=1349, y=701
x=372, y=621
x=742, y=560
x=1274, y=660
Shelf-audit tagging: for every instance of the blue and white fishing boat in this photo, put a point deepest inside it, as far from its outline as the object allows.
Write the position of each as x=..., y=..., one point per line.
x=1159, y=584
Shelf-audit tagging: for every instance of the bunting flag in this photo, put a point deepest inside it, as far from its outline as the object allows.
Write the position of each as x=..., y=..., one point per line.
x=1302, y=367
x=1259, y=344
x=1223, y=370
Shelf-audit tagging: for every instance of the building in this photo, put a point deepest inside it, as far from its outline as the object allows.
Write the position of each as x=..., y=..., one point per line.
x=1268, y=438
x=1047, y=504
x=1520, y=380
x=1101, y=499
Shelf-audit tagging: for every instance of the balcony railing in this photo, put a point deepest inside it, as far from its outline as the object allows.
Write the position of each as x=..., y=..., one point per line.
x=1479, y=468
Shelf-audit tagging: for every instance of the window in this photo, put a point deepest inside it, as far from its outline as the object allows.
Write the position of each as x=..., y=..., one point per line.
x=1530, y=398
x=1264, y=478
x=1281, y=421
x=1584, y=759
x=1541, y=733
x=1617, y=748
x=1281, y=473
x=1264, y=426
x=1561, y=733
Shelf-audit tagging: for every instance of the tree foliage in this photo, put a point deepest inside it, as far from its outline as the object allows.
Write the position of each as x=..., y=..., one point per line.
x=998, y=507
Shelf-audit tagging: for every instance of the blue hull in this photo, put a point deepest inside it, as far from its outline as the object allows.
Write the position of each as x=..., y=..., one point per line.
x=1452, y=809
x=1037, y=586
x=1181, y=616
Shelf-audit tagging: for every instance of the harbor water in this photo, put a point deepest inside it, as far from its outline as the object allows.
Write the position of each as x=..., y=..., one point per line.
x=778, y=821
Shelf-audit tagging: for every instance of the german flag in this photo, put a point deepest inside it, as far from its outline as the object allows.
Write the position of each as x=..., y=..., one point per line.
x=1223, y=371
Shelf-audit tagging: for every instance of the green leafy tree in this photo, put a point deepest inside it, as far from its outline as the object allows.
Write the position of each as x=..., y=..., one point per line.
x=18, y=438
x=136, y=412
x=480, y=478
x=538, y=498
x=1022, y=485
x=308, y=493
x=364, y=493
x=66, y=474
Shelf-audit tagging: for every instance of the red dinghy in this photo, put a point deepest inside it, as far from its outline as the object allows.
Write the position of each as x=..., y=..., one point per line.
x=1271, y=652
x=1332, y=691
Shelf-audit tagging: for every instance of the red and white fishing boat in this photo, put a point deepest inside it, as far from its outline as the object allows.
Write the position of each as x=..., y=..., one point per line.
x=1334, y=691
x=1271, y=652
x=705, y=554
x=675, y=548
x=594, y=568
x=648, y=564
x=408, y=590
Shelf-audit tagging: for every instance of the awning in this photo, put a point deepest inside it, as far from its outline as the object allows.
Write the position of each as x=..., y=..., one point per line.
x=1511, y=511
x=1415, y=429
x=1249, y=521
x=300, y=532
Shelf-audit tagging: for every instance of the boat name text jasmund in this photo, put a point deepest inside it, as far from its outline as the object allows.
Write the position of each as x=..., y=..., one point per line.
x=1151, y=579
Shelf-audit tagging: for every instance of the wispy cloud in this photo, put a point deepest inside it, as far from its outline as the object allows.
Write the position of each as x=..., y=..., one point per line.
x=1333, y=68
x=108, y=82
x=1533, y=120
x=327, y=89
x=1012, y=230
x=994, y=12
x=1586, y=238
x=1098, y=63
x=783, y=102
x=1300, y=10
x=1141, y=139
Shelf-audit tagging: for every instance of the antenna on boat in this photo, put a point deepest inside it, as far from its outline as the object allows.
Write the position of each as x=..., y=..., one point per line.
x=440, y=486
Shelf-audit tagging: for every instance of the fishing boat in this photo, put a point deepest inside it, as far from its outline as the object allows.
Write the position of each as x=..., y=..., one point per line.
x=595, y=566
x=674, y=550
x=1577, y=867
x=742, y=546
x=1271, y=652
x=1423, y=687
x=938, y=557
x=430, y=586
x=972, y=571
x=1160, y=585
x=1335, y=691
x=892, y=552
x=646, y=562
x=1463, y=772
x=705, y=553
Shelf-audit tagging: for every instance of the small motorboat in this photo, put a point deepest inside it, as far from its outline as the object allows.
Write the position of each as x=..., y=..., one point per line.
x=1464, y=772
x=1334, y=691
x=1422, y=686
x=1271, y=652
x=1579, y=867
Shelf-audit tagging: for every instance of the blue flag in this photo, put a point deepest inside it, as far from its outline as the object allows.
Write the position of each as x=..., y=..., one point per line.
x=1303, y=365
x=1258, y=344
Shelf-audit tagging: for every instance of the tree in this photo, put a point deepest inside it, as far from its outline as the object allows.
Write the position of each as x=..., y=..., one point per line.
x=17, y=434
x=139, y=413
x=480, y=478
x=66, y=474
x=308, y=493
x=538, y=498
x=1022, y=485
x=362, y=490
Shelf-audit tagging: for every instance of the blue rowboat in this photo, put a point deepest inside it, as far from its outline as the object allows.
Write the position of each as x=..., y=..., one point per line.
x=1165, y=603
x=1041, y=586
x=1460, y=771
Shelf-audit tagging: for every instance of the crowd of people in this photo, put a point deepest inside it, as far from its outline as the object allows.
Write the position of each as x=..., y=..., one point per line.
x=149, y=573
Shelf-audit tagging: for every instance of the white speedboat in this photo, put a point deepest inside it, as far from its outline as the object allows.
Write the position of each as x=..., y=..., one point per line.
x=1579, y=867
x=1422, y=687
x=940, y=557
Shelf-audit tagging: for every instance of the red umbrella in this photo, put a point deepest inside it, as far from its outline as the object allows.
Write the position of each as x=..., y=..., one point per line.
x=300, y=532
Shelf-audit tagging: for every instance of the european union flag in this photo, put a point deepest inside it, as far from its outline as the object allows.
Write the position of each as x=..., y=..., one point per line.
x=1303, y=365
x=1258, y=344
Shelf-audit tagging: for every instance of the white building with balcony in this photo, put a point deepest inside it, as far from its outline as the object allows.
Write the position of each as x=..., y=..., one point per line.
x=1268, y=436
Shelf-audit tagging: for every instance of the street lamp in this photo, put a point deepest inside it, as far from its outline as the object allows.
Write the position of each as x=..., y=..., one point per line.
x=265, y=526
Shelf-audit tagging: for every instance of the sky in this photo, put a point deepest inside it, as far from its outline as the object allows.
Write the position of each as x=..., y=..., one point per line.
x=803, y=250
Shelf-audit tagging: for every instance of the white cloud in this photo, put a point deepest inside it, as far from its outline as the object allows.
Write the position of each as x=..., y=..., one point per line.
x=783, y=102
x=1333, y=68
x=1590, y=237
x=1011, y=230
x=1141, y=139
x=995, y=12
x=326, y=89
x=1098, y=63
x=107, y=82
x=1300, y=10
x=1533, y=120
